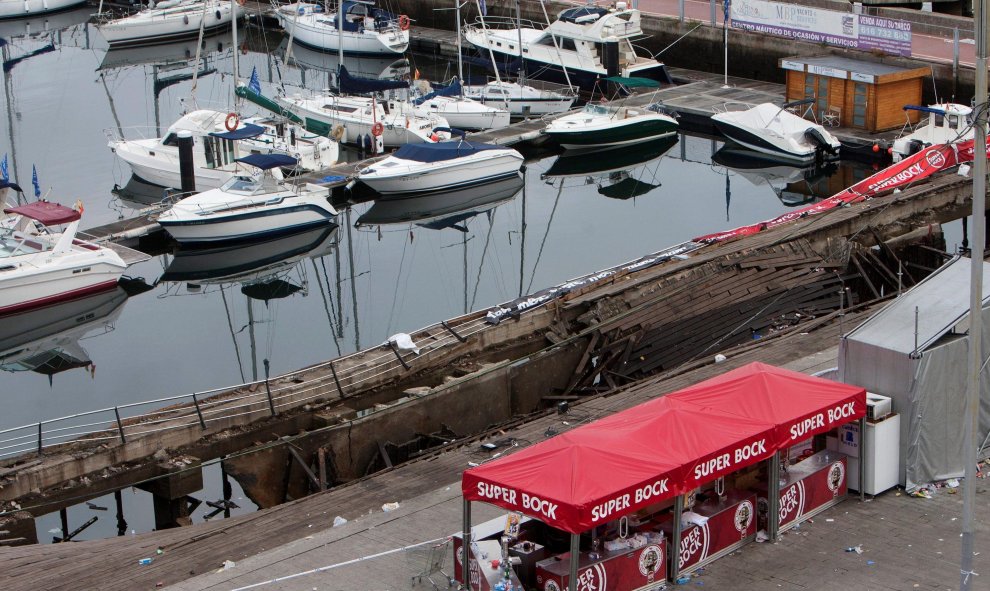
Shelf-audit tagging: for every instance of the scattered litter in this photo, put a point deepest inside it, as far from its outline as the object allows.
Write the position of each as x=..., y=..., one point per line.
x=95, y=507
x=159, y=584
x=228, y=564
x=403, y=342
x=55, y=530
x=952, y=483
x=160, y=551
x=761, y=536
x=390, y=507
x=720, y=358
x=856, y=549
x=338, y=520
x=683, y=579
x=924, y=491
x=829, y=520
x=870, y=563
x=145, y=561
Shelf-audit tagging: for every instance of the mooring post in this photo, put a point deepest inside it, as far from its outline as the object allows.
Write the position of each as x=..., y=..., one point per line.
x=39, y=438
x=187, y=171
x=227, y=490
x=321, y=455
x=199, y=412
x=120, y=425
x=63, y=515
x=271, y=403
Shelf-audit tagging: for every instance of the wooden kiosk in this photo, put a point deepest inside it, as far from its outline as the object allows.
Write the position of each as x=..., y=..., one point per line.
x=855, y=93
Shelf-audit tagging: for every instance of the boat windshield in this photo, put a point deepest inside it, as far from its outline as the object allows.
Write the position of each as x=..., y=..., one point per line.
x=14, y=243
x=242, y=184
x=596, y=109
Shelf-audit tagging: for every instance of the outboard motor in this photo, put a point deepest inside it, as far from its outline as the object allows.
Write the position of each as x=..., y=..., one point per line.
x=822, y=145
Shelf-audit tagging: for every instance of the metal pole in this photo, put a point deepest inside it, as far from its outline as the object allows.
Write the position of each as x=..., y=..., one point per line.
x=955, y=59
x=199, y=412
x=465, y=545
x=725, y=39
x=675, y=539
x=680, y=10
x=972, y=425
x=39, y=439
x=271, y=403
x=575, y=559
x=862, y=458
x=460, y=61
x=773, y=499
x=711, y=7
x=120, y=425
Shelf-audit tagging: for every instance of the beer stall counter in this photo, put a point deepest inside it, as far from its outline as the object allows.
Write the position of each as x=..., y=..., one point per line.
x=613, y=492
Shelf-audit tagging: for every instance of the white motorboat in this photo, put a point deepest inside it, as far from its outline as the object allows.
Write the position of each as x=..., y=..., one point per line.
x=22, y=8
x=460, y=111
x=41, y=266
x=218, y=141
x=604, y=125
x=442, y=166
x=588, y=42
x=366, y=30
x=249, y=207
x=947, y=123
x=167, y=21
x=773, y=130
x=444, y=209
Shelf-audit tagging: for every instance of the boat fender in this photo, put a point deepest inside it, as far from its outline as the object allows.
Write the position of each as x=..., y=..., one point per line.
x=821, y=144
x=404, y=22
x=185, y=19
x=915, y=146
x=219, y=16
x=338, y=132
x=231, y=122
x=377, y=129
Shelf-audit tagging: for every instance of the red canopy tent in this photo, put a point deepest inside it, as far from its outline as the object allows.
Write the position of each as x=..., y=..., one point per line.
x=798, y=404
x=620, y=464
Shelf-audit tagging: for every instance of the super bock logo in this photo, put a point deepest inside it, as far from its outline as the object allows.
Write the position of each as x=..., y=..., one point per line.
x=551, y=586
x=650, y=560
x=744, y=516
x=935, y=158
x=836, y=474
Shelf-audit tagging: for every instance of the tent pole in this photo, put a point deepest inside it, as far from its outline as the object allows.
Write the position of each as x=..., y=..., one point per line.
x=773, y=498
x=862, y=458
x=466, y=545
x=575, y=559
x=675, y=539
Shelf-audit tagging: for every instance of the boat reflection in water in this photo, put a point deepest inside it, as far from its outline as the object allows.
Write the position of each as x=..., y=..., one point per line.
x=614, y=170
x=793, y=184
x=139, y=193
x=177, y=53
x=307, y=59
x=46, y=340
x=437, y=211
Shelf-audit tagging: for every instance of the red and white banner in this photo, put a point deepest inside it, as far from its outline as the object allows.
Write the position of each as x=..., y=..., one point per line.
x=918, y=166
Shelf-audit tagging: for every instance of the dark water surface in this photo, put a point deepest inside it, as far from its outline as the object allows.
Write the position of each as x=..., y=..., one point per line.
x=404, y=266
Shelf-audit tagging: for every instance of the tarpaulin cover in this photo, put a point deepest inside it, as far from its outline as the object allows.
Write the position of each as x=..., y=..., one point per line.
x=46, y=212
x=798, y=404
x=268, y=161
x=440, y=151
x=356, y=85
x=246, y=131
x=620, y=464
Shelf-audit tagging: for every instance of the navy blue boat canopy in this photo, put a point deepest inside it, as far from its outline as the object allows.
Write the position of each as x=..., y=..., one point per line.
x=441, y=151
x=582, y=14
x=923, y=109
x=357, y=85
x=248, y=131
x=268, y=161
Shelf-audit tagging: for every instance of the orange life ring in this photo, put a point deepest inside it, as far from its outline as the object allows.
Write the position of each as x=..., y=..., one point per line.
x=377, y=129
x=403, y=22
x=232, y=121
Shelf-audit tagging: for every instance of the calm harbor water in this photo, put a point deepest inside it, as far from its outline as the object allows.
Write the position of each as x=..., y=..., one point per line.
x=391, y=267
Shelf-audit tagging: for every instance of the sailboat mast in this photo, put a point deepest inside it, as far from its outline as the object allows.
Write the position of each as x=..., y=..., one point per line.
x=460, y=61
x=488, y=44
x=233, y=20
x=522, y=62
x=340, y=39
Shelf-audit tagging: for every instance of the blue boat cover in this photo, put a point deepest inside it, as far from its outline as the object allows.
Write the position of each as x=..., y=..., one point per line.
x=582, y=14
x=268, y=161
x=923, y=109
x=354, y=85
x=441, y=151
x=452, y=89
x=249, y=131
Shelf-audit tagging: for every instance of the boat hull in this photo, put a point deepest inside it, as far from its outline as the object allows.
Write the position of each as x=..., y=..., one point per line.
x=48, y=287
x=21, y=8
x=759, y=144
x=308, y=32
x=150, y=31
x=624, y=133
x=424, y=178
x=250, y=225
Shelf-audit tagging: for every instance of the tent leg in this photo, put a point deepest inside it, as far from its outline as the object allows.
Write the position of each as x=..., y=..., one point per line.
x=773, y=498
x=575, y=559
x=465, y=546
x=675, y=539
x=862, y=458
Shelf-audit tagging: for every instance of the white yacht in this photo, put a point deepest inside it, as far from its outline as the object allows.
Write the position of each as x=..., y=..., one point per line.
x=167, y=21
x=218, y=141
x=590, y=42
x=946, y=123
x=249, y=207
x=41, y=265
x=367, y=30
x=776, y=132
x=522, y=100
x=460, y=111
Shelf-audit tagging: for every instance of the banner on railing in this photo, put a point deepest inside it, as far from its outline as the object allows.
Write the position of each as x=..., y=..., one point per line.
x=841, y=29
